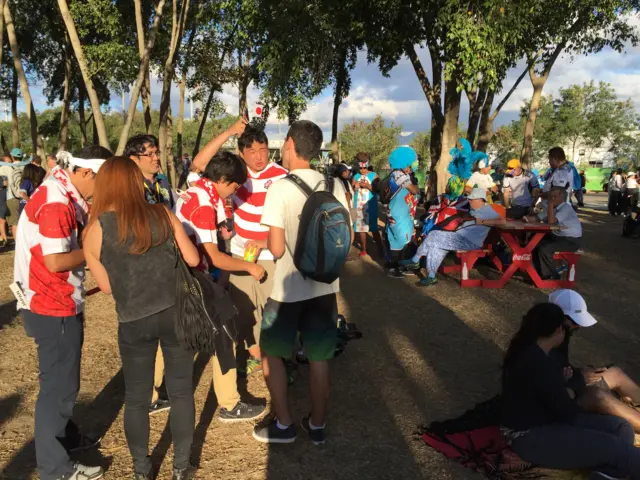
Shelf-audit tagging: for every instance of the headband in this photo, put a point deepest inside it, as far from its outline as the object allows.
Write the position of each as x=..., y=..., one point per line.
x=92, y=164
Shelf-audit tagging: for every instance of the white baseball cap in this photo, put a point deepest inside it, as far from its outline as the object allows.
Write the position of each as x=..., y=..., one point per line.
x=478, y=194
x=482, y=164
x=573, y=306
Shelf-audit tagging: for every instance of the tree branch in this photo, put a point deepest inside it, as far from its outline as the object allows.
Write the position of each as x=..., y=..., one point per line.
x=427, y=88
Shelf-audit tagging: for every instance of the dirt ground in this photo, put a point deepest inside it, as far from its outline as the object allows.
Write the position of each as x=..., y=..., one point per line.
x=426, y=354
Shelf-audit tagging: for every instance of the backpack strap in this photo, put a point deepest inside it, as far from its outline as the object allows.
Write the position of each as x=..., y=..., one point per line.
x=300, y=184
x=328, y=179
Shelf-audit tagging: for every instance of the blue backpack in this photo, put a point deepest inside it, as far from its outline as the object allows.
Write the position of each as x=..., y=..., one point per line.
x=577, y=181
x=324, y=233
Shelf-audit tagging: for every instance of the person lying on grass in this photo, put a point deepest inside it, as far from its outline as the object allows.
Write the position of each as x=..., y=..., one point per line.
x=470, y=235
x=540, y=418
x=605, y=390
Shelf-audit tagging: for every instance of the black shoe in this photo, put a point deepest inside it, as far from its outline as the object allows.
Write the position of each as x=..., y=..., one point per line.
x=395, y=273
x=188, y=473
x=316, y=435
x=242, y=412
x=79, y=443
x=272, y=434
x=158, y=406
x=550, y=277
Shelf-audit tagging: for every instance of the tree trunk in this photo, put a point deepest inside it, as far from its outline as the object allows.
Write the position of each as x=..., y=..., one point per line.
x=245, y=79
x=526, y=157
x=178, y=24
x=66, y=99
x=143, y=76
x=1, y=34
x=449, y=132
x=486, y=123
x=145, y=91
x=203, y=121
x=22, y=78
x=81, y=117
x=183, y=88
x=91, y=91
x=171, y=167
x=337, y=101
x=96, y=134
x=15, y=123
x=3, y=142
x=477, y=99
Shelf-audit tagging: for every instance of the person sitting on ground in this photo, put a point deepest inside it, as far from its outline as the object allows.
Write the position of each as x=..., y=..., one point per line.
x=469, y=235
x=481, y=178
x=365, y=202
x=567, y=239
x=400, y=228
x=125, y=240
x=32, y=178
x=594, y=387
x=521, y=190
x=201, y=209
x=540, y=418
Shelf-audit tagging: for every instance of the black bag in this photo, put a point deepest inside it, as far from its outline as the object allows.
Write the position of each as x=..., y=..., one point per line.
x=383, y=189
x=205, y=310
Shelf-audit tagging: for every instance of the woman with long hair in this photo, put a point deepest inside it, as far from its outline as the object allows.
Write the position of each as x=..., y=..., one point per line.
x=32, y=178
x=540, y=418
x=130, y=247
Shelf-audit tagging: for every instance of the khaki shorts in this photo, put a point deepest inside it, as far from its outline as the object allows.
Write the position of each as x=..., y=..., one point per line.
x=13, y=206
x=250, y=297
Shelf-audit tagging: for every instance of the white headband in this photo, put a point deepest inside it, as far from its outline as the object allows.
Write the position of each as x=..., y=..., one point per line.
x=92, y=164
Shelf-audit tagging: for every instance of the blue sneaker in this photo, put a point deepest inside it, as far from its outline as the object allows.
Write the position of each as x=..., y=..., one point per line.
x=316, y=435
x=409, y=264
x=272, y=434
x=428, y=281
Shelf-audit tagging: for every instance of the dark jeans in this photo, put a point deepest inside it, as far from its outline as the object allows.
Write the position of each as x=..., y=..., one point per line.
x=543, y=254
x=615, y=199
x=138, y=342
x=517, y=212
x=579, y=196
x=59, y=341
x=630, y=199
x=593, y=442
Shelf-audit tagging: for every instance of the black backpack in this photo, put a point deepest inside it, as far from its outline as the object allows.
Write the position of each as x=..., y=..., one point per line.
x=324, y=232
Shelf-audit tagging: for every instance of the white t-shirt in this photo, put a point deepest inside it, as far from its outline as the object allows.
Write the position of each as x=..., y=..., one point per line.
x=480, y=180
x=631, y=183
x=282, y=208
x=192, y=177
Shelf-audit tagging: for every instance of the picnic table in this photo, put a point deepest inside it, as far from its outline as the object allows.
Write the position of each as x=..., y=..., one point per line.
x=511, y=233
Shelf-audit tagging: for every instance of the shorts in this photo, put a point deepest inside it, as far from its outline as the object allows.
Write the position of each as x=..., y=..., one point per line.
x=315, y=319
x=4, y=212
x=13, y=207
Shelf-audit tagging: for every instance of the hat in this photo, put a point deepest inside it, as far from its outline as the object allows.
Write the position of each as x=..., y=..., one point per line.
x=514, y=163
x=17, y=153
x=478, y=194
x=482, y=164
x=402, y=157
x=92, y=163
x=631, y=174
x=573, y=306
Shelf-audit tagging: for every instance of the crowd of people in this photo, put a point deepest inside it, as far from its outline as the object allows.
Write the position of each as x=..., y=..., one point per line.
x=239, y=220
x=623, y=192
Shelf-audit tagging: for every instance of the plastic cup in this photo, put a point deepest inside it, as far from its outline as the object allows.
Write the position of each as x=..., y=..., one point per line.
x=250, y=254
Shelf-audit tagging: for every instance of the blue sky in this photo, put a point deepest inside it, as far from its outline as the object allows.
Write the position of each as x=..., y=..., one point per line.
x=399, y=96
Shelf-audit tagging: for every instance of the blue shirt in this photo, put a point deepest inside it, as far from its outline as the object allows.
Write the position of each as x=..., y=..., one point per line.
x=477, y=234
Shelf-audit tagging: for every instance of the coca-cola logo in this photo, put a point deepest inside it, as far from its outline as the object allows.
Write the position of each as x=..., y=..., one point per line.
x=525, y=257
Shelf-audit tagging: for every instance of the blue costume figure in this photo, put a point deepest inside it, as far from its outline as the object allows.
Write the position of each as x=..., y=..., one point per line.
x=400, y=228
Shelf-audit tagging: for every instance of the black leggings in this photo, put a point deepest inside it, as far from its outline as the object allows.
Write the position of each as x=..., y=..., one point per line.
x=592, y=442
x=138, y=342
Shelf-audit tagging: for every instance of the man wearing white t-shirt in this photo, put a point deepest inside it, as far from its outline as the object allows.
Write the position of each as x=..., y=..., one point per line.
x=297, y=304
x=248, y=294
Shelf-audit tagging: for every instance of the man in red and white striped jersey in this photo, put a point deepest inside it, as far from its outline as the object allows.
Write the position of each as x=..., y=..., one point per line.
x=249, y=295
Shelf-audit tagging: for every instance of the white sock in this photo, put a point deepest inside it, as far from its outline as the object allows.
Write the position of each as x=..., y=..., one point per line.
x=281, y=426
x=432, y=274
x=415, y=259
x=313, y=427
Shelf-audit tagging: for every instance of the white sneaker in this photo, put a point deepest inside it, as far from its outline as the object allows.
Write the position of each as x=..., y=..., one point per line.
x=84, y=472
x=602, y=476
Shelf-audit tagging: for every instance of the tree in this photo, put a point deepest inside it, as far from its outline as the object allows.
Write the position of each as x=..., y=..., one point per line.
x=421, y=144
x=574, y=28
x=88, y=82
x=145, y=90
x=375, y=137
x=22, y=78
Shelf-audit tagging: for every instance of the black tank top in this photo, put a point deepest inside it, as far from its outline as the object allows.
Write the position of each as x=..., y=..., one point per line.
x=143, y=284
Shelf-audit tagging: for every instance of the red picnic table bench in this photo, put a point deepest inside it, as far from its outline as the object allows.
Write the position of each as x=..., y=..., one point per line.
x=522, y=257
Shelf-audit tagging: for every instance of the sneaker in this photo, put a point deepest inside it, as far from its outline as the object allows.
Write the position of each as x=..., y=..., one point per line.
x=362, y=254
x=561, y=270
x=317, y=435
x=143, y=476
x=188, y=473
x=272, y=434
x=83, y=472
x=602, y=476
x=3, y=243
x=428, y=281
x=242, y=412
x=80, y=443
x=395, y=273
x=158, y=406
x=253, y=365
x=409, y=264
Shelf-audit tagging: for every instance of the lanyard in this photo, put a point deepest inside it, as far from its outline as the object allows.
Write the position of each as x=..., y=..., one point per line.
x=156, y=195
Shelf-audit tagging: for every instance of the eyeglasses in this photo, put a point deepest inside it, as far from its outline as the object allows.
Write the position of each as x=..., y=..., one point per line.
x=149, y=154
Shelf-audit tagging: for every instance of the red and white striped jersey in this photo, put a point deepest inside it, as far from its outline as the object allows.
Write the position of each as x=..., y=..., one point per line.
x=248, y=205
x=49, y=225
